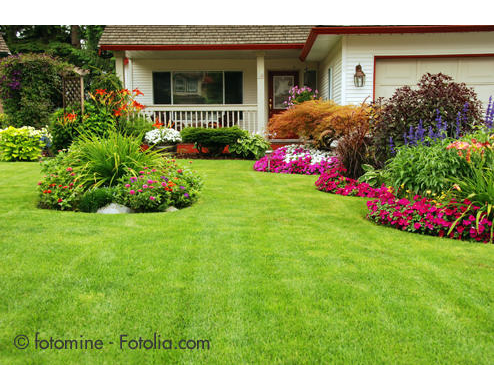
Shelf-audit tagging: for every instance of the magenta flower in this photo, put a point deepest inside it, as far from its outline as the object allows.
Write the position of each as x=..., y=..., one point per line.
x=127, y=185
x=152, y=198
x=132, y=192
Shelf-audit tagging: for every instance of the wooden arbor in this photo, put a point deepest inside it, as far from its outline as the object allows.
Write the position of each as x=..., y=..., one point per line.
x=73, y=88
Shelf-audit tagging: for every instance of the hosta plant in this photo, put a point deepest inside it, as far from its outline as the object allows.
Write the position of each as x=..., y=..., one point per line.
x=23, y=144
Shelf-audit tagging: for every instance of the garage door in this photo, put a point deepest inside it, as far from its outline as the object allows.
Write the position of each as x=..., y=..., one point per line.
x=476, y=72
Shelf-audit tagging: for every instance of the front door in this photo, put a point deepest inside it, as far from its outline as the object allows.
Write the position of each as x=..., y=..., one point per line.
x=279, y=85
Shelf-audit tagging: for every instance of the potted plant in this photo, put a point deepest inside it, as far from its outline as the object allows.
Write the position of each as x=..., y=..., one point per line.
x=163, y=138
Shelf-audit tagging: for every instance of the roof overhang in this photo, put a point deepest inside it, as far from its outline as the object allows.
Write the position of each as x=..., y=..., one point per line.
x=346, y=30
x=204, y=47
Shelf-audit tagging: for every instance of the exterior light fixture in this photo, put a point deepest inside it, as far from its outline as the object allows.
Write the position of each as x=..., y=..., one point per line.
x=359, y=77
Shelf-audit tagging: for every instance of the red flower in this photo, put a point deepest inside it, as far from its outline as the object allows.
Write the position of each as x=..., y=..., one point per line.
x=137, y=105
x=137, y=92
x=59, y=200
x=100, y=92
x=69, y=168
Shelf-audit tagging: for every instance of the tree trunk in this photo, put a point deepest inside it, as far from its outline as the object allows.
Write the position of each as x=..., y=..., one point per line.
x=74, y=36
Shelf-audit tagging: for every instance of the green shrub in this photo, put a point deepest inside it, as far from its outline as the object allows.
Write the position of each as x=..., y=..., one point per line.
x=136, y=126
x=106, y=81
x=424, y=169
x=94, y=199
x=31, y=88
x=4, y=120
x=24, y=144
x=411, y=107
x=250, y=147
x=215, y=140
x=65, y=128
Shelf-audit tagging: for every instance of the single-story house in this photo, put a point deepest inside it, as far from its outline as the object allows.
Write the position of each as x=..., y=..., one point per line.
x=225, y=75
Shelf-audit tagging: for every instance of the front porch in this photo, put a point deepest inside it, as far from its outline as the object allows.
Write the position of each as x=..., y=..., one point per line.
x=220, y=88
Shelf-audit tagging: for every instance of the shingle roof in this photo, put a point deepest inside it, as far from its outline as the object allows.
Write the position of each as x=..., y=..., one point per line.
x=204, y=35
x=3, y=46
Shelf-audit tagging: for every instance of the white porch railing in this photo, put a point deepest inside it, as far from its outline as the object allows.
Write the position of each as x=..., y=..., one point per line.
x=244, y=116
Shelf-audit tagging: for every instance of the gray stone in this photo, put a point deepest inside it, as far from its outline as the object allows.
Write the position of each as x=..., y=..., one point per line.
x=171, y=209
x=113, y=209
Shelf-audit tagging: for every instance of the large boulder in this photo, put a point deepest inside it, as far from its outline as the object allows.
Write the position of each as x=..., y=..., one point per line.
x=113, y=209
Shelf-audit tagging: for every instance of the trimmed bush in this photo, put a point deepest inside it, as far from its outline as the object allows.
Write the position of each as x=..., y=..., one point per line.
x=215, y=140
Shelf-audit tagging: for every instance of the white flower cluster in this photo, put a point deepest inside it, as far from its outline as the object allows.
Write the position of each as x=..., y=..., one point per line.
x=294, y=152
x=163, y=136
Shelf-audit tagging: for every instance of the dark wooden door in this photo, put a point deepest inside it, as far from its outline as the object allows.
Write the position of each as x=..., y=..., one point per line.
x=279, y=84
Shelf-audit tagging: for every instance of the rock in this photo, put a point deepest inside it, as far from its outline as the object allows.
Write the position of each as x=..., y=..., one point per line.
x=113, y=209
x=171, y=209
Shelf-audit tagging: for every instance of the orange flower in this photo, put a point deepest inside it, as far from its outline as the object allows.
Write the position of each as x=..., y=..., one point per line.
x=137, y=105
x=125, y=92
x=117, y=113
x=137, y=92
x=70, y=116
x=158, y=124
x=100, y=92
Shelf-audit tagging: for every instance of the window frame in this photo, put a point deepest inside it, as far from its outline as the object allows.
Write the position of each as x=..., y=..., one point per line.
x=172, y=86
x=330, y=83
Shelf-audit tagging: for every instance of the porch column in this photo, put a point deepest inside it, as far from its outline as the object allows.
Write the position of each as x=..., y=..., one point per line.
x=261, y=95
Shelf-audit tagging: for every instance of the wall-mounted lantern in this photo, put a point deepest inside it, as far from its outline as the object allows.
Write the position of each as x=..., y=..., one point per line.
x=359, y=77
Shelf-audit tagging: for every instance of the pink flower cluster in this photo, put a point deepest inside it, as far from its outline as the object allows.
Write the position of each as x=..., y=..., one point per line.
x=332, y=181
x=301, y=161
x=430, y=217
x=421, y=215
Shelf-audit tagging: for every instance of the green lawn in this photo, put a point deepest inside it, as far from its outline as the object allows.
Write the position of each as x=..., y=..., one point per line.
x=265, y=267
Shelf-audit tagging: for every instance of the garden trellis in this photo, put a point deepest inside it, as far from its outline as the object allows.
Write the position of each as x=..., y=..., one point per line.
x=73, y=88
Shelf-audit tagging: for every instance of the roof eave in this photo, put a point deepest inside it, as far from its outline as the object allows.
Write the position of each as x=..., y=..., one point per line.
x=261, y=46
x=346, y=30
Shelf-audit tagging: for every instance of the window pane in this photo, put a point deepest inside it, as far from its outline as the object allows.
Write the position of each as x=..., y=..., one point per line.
x=161, y=88
x=197, y=88
x=233, y=88
x=281, y=90
x=310, y=79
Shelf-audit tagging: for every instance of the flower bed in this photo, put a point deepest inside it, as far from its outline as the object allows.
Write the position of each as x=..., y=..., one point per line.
x=296, y=159
x=98, y=171
x=430, y=217
x=458, y=220
x=332, y=181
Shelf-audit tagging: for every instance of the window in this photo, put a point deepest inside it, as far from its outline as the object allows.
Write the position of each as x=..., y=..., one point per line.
x=198, y=87
x=162, y=88
x=310, y=79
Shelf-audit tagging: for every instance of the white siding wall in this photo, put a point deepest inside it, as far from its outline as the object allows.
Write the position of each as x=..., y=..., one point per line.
x=362, y=49
x=334, y=61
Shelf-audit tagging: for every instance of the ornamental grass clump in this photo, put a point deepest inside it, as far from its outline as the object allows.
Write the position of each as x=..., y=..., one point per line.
x=104, y=160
